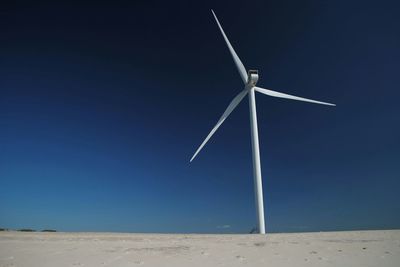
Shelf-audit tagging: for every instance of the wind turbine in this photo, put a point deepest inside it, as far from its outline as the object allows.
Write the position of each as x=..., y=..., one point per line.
x=250, y=79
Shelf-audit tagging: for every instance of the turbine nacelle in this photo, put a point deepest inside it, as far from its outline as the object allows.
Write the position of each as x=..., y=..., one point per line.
x=252, y=78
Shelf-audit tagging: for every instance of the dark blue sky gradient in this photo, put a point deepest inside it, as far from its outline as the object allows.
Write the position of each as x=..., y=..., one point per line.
x=102, y=106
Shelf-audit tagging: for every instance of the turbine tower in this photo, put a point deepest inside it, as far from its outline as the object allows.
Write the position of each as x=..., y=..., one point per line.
x=250, y=79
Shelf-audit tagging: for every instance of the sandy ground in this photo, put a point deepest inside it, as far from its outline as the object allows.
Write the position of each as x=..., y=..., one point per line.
x=353, y=248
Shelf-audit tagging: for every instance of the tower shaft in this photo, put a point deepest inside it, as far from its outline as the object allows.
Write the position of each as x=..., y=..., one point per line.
x=256, y=162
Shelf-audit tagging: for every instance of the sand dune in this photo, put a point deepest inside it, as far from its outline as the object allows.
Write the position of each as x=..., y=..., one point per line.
x=352, y=248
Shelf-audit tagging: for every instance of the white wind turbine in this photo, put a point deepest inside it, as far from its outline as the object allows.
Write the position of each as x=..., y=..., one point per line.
x=250, y=79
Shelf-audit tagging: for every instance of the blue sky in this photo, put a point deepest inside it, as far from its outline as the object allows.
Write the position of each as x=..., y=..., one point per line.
x=101, y=108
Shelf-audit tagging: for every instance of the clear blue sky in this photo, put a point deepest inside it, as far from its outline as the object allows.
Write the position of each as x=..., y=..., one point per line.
x=102, y=106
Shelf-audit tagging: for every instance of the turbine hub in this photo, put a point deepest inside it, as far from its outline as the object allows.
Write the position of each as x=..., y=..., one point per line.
x=252, y=77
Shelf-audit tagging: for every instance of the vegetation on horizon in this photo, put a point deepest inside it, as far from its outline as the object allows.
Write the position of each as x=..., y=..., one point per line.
x=28, y=230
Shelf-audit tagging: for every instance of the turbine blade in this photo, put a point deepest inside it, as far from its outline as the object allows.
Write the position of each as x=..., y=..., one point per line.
x=292, y=97
x=236, y=59
x=228, y=111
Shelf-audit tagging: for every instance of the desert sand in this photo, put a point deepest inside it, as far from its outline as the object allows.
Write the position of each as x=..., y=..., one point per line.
x=351, y=248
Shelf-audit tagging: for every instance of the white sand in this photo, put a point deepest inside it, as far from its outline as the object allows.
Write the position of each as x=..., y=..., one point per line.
x=353, y=248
